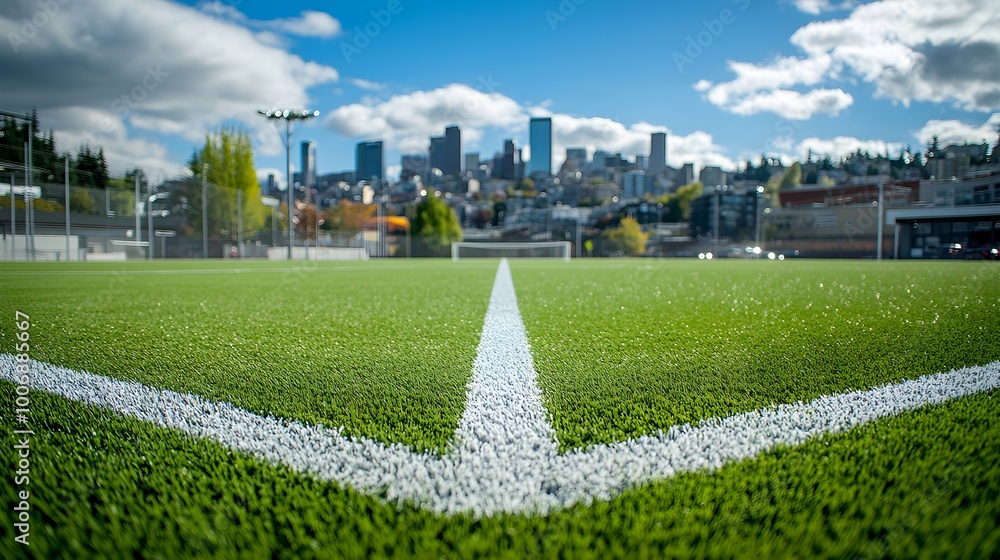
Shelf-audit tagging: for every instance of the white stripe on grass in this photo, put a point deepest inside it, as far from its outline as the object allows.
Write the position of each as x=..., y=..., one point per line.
x=504, y=456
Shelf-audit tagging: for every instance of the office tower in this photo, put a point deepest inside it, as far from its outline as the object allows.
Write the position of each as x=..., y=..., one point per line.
x=578, y=156
x=446, y=151
x=509, y=162
x=540, y=140
x=413, y=165
x=657, y=152
x=308, y=174
x=472, y=162
x=634, y=184
x=368, y=162
x=712, y=176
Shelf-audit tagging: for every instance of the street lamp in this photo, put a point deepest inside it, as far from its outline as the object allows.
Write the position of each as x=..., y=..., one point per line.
x=149, y=218
x=760, y=191
x=286, y=119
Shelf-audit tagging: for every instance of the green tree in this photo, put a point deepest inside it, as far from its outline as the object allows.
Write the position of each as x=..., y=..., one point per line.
x=436, y=223
x=81, y=202
x=628, y=237
x=792, y=177
x=226, y=164
x=678, y=204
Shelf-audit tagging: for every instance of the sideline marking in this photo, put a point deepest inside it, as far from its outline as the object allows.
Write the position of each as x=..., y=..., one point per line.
x=504, y=457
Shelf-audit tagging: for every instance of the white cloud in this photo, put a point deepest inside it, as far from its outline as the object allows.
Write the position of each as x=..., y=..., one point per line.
x=794, y=105
x=129, y=77
x=407, y=121
x=817, y=7
x=760, y=88
x=366, y=84
x=310, y=23
x=958, y=132
x=909, y=51
x=843, y=146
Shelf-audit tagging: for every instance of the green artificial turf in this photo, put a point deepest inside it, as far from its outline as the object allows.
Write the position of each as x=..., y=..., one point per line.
x=922, y=484
x=627, y=347
x=384, y=349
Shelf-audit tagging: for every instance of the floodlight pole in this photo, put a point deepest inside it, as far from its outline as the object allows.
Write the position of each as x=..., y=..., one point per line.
x=138, y=227
x=757, y=218
x=288, y=117
x=204, y=211
x=881, y=219
x=66, y=177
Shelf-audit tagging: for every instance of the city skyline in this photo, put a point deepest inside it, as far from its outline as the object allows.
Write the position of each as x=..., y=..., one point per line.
x=724, y=81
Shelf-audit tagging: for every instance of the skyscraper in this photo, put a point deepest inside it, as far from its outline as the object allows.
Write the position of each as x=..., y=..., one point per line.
x=540, y=139
x=446, y=151
x=578, y=156
x=368, y=162
x=508, y=162
x=657, y=153
x=308, y=174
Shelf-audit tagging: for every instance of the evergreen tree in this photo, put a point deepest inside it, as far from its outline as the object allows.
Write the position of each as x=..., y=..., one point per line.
x=436, y=223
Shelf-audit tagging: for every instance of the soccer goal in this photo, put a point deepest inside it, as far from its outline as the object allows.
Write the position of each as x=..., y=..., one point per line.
x=516, y=250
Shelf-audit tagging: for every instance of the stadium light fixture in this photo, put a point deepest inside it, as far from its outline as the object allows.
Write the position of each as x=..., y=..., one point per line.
x=286, y=119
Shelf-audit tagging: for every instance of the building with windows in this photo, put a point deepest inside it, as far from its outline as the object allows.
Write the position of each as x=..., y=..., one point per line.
x=308, y=174
x=657, y=153
x=540, y=140
x=368, y=162
x=446, y=151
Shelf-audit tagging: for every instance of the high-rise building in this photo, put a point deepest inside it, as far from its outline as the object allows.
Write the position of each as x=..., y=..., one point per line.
x=712, y=176
x=413, y=165
x=634, y=184
x=446, y=151
x=368, y=161
x=308, y=174
x=472, y=162
x=540, y=139
x=506, y=167
x=578, y=156
x=657, y=152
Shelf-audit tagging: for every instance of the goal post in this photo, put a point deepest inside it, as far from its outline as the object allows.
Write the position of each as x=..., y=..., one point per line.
x=511, y=249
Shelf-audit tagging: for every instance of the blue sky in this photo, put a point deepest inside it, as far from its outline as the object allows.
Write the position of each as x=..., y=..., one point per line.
x=729, y=79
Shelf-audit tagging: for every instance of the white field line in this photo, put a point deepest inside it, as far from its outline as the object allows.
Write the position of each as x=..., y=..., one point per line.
x=504, y=456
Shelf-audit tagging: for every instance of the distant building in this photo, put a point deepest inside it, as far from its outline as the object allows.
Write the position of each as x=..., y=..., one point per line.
x=368, y=161
x=472, y=162
x=657, y=152
x=712, y=176
x=642, y=162
x=634, y=184
x=308, y=174
x=413, y=165
x=540, y=139
x=578, y=156
x=506, y=166
x=446, y=151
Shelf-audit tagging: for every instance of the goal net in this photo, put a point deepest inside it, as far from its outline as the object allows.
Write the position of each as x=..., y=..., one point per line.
x=514, y=250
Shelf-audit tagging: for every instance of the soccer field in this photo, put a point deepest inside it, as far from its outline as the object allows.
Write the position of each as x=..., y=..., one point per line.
x=419, y=408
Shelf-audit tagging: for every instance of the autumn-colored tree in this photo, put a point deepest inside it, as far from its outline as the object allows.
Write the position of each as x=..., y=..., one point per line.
x=628, y=237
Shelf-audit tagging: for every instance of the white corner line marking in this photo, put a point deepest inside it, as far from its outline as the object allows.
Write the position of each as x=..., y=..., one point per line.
x=504, y=457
